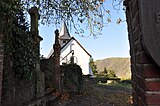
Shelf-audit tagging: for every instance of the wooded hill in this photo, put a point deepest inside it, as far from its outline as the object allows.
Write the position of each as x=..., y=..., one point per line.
x=121, y=66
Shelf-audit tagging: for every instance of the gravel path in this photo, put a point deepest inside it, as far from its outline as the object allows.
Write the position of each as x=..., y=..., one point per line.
x=97, y=95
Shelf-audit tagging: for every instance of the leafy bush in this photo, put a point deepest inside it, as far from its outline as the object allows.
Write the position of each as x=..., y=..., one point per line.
x=107, y=73
x=72, y=79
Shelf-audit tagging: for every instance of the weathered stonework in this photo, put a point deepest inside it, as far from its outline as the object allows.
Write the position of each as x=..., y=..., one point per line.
x=145, y=72
x=40, y=83
x=47, y=67
x=1, y=66
x=34, y=20
x=16, y=91
x=72, y=79
x=56, y=63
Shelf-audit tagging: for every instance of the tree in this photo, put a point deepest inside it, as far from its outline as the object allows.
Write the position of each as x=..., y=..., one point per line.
x=12, y=16
x=74, y=12
x=105, y=72
x=18, y=42
x=93, y=67
x=111, y=73
x=108, y=73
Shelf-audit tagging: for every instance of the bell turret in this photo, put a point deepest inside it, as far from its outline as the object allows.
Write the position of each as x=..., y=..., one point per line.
x=64, y=35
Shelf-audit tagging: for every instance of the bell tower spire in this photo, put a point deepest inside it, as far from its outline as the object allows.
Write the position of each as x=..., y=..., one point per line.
x=64, y=35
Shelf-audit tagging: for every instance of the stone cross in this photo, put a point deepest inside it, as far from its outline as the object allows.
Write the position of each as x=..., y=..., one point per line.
x=56, y=60
x=34, y=20
x=40, y=83
x=57, y=48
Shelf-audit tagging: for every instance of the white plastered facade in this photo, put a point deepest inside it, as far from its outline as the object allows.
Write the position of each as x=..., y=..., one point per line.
x=68, y=46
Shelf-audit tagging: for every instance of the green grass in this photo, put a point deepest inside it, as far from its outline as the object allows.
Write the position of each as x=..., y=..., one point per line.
x=121, y=85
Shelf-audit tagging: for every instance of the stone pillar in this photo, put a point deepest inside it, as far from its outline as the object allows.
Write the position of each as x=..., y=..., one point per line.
x=145, y=72
x=34, y=20
x=1, y=66
x=40, y=83
x=56, y=63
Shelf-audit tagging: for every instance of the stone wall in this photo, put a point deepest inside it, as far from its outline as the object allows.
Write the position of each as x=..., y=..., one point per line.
x=46, y=66
x=27, y=84
x=18, y=94
x=145, y=73
x=15, y=92
x=1, y=65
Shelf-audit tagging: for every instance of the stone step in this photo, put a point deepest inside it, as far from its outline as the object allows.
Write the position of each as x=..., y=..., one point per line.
x=47, y=100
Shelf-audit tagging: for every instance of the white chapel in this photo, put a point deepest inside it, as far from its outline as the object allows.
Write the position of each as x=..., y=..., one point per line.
x=70, y=47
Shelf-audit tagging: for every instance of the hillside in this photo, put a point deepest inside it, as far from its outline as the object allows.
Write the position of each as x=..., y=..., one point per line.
x=120, y=65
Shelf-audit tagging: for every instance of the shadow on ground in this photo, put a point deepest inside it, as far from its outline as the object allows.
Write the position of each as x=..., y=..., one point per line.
x=98, y=95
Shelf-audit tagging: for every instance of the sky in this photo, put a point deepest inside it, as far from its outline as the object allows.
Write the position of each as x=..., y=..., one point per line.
x=112, y=43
